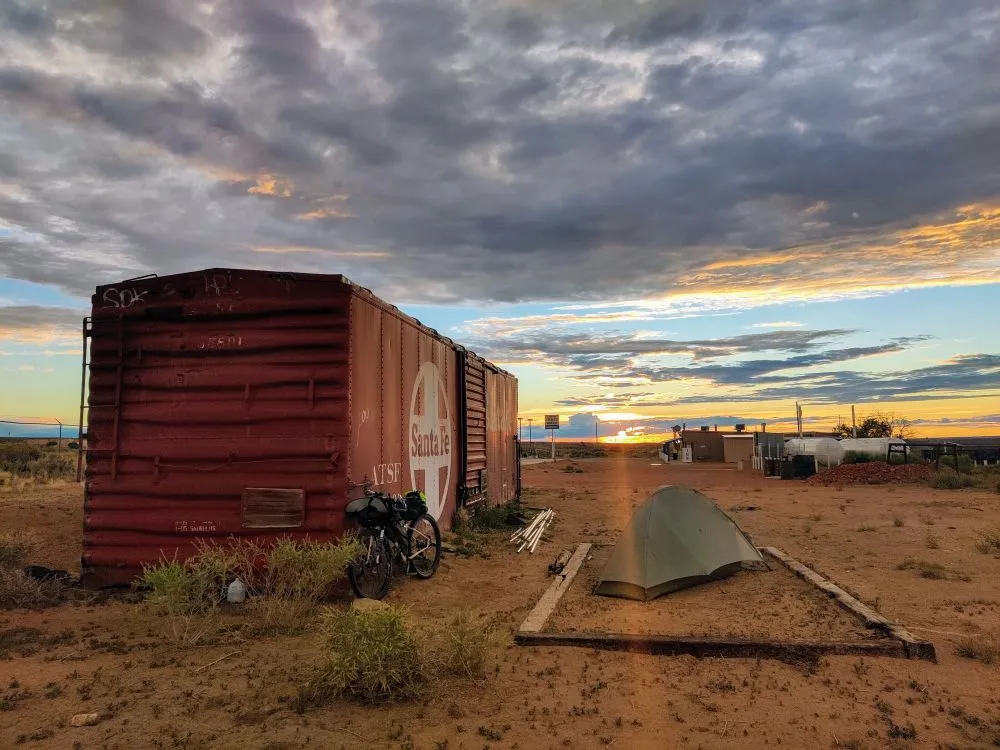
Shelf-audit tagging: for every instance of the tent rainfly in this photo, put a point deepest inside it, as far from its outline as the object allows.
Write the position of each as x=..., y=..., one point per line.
x=675, y=539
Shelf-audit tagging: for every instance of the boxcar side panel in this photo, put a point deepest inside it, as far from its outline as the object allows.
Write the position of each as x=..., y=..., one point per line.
x=217, y=407
x=502, y=459
x=475, y=474
x=404, y=407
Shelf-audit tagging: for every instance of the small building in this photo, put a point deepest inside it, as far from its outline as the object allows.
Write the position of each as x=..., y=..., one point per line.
x=738, y=446
x=706, y=445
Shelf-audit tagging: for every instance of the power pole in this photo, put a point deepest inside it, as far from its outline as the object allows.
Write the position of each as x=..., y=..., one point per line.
x=854, y=423
x=798, y=417
x=532, y=445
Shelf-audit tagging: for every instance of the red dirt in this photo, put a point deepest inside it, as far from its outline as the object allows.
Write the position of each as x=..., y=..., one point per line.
x=874, y=472
x=115, y=662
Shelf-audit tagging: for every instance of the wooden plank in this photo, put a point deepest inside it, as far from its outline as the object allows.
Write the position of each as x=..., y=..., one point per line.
x=714, y=647
x=914, y=647
x=538, y=616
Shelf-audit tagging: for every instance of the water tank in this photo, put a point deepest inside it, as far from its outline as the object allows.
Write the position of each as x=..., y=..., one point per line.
x=828, y=452
x=873, y=447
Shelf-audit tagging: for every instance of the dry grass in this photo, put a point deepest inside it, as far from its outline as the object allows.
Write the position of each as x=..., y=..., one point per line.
x=21, y=591
x=17, y=589
x=467, y=646
x=16, y=547
x=285, y=582
x=933, y=571
x=374, y=656
x=983, y=648
x=988, y=542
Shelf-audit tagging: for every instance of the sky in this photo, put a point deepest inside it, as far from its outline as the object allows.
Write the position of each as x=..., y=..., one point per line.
x=658, y=212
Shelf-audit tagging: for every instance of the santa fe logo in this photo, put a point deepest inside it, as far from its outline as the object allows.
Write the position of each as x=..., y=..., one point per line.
x=430, y=438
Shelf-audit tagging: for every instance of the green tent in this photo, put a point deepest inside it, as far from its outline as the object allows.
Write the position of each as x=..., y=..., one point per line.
x=676, y=538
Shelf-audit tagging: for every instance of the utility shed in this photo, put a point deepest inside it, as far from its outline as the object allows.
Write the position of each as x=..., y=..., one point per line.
x=251, y=403
x=738, y=446
x=706, y=445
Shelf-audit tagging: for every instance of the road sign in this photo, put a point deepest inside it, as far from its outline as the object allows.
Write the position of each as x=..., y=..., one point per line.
x=551, y=421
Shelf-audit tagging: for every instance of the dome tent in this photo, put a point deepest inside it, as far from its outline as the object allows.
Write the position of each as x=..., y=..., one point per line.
x=675, y=539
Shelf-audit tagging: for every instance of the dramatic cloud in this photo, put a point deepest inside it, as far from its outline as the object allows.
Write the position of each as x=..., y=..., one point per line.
x=680, y=156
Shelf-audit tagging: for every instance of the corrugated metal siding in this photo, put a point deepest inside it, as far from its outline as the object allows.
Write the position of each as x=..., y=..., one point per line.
x=502, y=459
x=201, y=386
x=222, y=400
x=475, y=425
x=404, y=406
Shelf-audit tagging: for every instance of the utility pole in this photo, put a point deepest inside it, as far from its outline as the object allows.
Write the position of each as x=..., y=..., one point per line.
x=520, y=429
x=597, y=437
x=854, y=423
x=59, y=444
x=532, y=445
x=798, y=417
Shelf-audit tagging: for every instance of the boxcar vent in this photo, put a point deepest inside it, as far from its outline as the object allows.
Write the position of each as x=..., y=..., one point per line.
x=273, y=508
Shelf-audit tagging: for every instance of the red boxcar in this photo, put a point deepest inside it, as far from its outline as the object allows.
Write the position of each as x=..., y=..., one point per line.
x=250, y=403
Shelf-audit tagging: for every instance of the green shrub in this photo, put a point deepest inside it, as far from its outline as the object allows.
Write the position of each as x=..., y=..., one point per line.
x=16, y=455
x=373, y=657
x=296, y=576
x=467, y=646
x=285, y=581
x=15, y=549
x=52, y=444
x=73, y=445
x=949, y=480
x=52, y=466
x=965, y=463
x=492, y=517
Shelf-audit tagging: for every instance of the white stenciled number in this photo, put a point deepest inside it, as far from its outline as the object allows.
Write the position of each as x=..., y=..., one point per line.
x=430, y=437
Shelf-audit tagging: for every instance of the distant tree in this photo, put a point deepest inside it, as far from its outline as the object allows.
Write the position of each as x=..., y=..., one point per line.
x=677, y=429
x=879, y=424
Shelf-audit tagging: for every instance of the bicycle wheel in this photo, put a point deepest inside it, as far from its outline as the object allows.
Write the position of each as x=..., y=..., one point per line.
x=371, y=571
x=423, y=545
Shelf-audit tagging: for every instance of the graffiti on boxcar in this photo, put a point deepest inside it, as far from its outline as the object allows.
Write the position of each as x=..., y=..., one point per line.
x=122, y=299
x=221, y=342
x=217, y=284
x=430, y=437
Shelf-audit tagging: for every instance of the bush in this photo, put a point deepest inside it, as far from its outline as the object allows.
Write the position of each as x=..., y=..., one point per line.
x=15, y=549
x=374, y=657
x=52, y=444
x=52, y=466
x=988, y=542
x=16, y=455
x=949, y=480
x=285, y=581
x=20, y=591
x=284, y=592
x=984, y=648
x=492, y=517
x=965, y=463
x=467, y=646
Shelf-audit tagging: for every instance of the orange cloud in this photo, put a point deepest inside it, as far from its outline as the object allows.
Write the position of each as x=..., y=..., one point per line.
x=272, y=185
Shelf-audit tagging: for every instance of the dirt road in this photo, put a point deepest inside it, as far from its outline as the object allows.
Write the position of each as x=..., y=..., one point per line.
x=109, y=658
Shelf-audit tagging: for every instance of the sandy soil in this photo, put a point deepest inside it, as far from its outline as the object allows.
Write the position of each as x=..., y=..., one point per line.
x=766, y=604
x=111, y=658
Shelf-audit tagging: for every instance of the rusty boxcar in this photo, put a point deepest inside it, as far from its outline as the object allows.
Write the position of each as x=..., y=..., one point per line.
x=250, y=403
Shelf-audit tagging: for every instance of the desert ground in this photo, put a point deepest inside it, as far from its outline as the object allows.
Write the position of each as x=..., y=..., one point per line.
x=105, y=654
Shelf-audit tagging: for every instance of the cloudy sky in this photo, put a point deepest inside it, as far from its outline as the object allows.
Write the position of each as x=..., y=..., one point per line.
x=694, y=210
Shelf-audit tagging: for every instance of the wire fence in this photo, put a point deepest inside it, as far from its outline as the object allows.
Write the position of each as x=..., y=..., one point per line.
x=38, y=429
